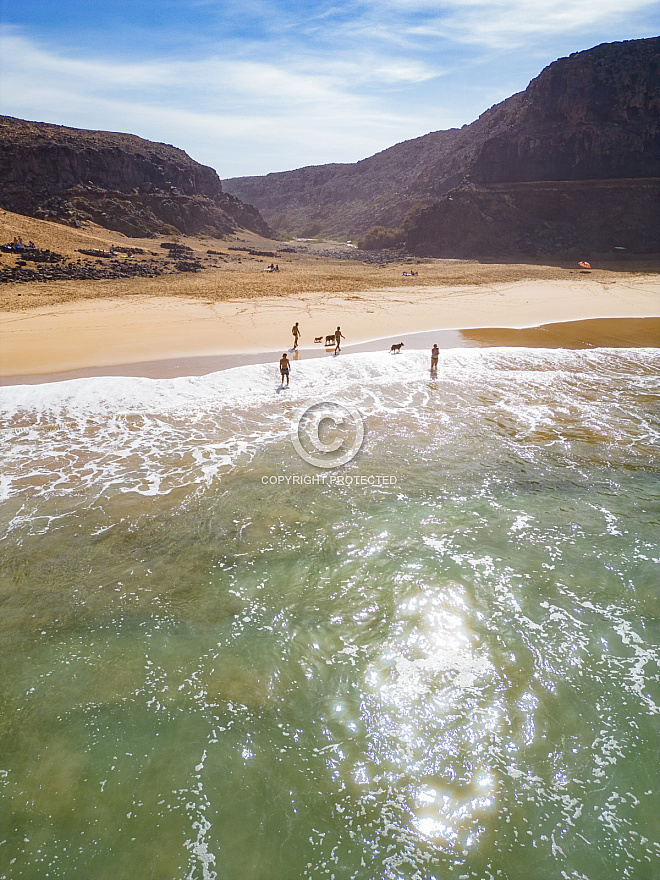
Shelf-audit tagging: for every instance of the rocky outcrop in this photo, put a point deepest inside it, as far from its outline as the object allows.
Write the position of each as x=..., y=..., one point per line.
x=345, y=200
x=481, y=189
x=120, y=181
x=592, y=116
x=573, y=218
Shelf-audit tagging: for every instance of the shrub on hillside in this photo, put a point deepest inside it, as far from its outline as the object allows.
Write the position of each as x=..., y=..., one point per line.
x=380, y=237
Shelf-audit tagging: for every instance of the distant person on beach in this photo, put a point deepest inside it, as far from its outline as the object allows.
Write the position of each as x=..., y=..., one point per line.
x=338, y=337
x=296, y=335
x=285, y=366
x=435, y=351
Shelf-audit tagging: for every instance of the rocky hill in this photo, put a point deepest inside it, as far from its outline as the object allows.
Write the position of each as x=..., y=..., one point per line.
x=571, y=163
x=119, y=181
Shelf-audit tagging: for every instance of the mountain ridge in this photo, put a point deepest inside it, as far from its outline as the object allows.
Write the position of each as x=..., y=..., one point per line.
x=594, y=115
x=119, y=181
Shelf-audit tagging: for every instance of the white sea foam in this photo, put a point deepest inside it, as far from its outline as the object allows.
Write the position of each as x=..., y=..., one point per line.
x=257, y=383
x=150, y=436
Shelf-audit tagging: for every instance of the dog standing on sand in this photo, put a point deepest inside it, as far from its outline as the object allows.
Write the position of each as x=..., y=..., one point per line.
x=396, y=347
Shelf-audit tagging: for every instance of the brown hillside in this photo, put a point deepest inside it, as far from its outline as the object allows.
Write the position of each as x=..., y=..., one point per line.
x=592, y=116
x=119, y=181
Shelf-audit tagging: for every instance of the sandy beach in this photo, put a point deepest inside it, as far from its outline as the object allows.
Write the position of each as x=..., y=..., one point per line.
x=233, y=309
x=131, y=330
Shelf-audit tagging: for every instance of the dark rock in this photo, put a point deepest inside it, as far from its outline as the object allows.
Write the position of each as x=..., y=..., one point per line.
x=119, y=181
x=95, y=252
x=36, y=255
x=253, y=252
x=594, y=116
x=540, y=219
x=177, y=250
x=51, y=266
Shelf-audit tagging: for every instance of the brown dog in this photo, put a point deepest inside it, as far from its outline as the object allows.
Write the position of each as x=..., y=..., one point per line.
x=396, y=347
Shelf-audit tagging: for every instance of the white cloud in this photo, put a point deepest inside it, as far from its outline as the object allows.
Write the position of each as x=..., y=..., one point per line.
x=300, y=82
x=402, y=72
x=502, y=24
x=309, y=91
x=239, y=116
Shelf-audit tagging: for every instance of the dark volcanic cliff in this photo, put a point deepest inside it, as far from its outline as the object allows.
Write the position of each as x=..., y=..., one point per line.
x=592, y=116
x=572, y=162
x=120, y=181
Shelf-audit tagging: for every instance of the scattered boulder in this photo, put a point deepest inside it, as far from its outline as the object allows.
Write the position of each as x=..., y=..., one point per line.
x=51, y=266
x=36, y=255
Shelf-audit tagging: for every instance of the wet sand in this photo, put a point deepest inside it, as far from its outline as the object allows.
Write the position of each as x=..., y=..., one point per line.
x=161, y=336
x=594, y=333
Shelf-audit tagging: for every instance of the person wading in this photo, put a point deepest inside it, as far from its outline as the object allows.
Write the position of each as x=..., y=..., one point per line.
x=285, y=367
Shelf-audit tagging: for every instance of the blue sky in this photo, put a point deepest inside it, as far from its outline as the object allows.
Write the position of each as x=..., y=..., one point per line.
x=255, y=86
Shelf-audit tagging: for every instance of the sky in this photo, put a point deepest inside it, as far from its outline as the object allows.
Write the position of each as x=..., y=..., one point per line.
x=255, y=86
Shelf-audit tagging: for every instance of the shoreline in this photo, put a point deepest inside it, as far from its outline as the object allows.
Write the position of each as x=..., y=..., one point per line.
x=177, y=335
x=643, y=332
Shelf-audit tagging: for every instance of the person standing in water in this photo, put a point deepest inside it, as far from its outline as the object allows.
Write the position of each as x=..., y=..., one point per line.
x=285, y=367
x=296, y=335
x=435, y=351
x=338, y=337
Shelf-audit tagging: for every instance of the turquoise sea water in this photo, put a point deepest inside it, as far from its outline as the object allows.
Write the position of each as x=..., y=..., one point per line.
x=212, y=669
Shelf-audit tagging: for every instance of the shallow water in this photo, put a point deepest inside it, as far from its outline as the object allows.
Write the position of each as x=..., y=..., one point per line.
x=449, y=674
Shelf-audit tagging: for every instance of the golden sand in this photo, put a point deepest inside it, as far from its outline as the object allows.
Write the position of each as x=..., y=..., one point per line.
x=237, y=307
